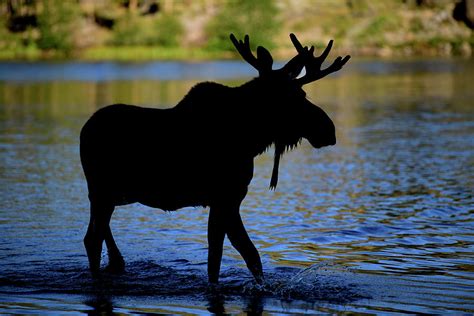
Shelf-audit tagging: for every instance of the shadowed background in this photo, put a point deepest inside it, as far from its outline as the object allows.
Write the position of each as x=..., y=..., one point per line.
x=199, y=29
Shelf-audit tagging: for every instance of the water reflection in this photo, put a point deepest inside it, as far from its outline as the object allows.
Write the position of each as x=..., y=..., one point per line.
x=389, y=208
x=101, y=305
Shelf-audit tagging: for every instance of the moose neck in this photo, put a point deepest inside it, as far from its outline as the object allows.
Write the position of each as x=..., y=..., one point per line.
x=266, y=126
x=266, y=130
x=258, y=123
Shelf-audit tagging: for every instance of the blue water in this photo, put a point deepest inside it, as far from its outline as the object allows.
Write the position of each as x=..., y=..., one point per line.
x=381, y=223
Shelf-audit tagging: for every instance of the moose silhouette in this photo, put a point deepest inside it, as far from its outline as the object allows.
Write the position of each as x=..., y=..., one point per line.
x=201, y=152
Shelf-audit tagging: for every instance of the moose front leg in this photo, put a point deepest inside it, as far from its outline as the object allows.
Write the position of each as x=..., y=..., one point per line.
x=227, y=220
x=239, y=238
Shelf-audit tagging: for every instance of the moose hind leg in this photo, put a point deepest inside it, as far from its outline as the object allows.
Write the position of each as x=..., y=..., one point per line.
x=96, y=232
x=215, y=238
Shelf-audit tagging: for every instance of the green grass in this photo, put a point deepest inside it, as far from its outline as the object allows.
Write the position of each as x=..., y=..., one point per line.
x=21, y=53
x=119, y=53
x=150, y=53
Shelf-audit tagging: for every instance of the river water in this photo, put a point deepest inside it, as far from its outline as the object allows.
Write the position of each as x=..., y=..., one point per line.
x=381, y=223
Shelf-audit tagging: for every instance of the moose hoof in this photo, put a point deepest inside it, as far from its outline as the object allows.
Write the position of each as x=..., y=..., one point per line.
x=114, y=269
x=95, y=273
x=115, y=266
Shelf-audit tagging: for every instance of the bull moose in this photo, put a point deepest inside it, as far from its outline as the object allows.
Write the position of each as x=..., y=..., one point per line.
x=201, y=152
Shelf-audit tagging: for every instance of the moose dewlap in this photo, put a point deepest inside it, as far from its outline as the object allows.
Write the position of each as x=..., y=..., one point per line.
x=201, y=152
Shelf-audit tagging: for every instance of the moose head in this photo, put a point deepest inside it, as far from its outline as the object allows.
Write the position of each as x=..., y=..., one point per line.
x=292, y=115
x=200, y=152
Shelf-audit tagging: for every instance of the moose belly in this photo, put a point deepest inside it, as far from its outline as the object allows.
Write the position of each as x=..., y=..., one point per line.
x=183, y=183
x=194, y=184
x=170, y=201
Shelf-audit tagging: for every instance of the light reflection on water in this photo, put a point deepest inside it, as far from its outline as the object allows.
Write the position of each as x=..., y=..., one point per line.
x=381, y=222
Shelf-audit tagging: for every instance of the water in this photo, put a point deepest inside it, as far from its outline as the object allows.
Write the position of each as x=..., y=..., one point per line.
x=380, y=223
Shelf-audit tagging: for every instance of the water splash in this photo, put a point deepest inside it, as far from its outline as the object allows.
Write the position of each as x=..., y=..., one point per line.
x=320, y=282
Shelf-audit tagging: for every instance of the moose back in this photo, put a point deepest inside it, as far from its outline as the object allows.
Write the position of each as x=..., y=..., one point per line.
x=201, y=152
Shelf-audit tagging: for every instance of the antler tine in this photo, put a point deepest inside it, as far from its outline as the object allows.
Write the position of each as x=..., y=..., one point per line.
x=297, y=44
x=264, y=61
x=243, y=47
x=313, y=64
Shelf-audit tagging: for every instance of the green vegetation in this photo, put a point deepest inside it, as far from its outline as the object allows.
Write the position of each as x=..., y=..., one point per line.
x=150, y=53
x=199, y=29
x=258, y=18
x=164, y=30
x=56, y=22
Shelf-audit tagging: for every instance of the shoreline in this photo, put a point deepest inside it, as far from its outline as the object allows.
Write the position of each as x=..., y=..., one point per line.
x=156, y=53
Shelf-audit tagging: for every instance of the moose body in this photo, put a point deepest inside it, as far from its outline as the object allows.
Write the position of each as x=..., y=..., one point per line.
x=188, y=155
x=198, y=153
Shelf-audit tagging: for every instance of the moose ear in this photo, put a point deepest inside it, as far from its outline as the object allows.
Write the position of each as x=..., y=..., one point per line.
x=265, y=58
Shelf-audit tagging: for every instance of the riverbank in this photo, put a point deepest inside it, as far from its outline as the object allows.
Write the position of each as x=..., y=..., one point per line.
x=150, y=53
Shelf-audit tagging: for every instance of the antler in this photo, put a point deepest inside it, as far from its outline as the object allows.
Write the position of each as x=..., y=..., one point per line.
x=263, y=62
x=313, y=64
x=305, y=58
